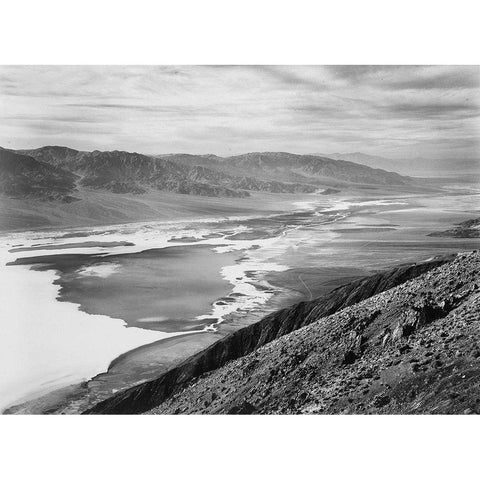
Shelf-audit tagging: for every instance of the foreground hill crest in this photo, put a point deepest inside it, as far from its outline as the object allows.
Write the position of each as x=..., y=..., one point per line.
x=412, y=349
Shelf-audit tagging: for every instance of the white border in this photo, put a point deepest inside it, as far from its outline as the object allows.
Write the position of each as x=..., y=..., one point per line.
x=247, y=32
x=240, y=447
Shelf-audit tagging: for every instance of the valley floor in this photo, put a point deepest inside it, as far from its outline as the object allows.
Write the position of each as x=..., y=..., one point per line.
x=320, y=242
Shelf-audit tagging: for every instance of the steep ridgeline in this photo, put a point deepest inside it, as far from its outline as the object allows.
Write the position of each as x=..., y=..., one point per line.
x=283, y=166
x=412, y=349
x=125, y=172
x=248, y=339
x=21, y=176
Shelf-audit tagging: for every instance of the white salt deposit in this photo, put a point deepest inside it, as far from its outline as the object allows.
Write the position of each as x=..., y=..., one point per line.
x=46, y=344
x=102, y=270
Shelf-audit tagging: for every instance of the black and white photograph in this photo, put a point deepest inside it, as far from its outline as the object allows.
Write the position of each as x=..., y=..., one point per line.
x=240, y=239
x=200, y=241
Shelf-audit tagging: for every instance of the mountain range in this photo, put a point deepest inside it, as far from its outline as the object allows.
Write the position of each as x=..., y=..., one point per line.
x=56, y=173
x=23, y=176
x=287, y=167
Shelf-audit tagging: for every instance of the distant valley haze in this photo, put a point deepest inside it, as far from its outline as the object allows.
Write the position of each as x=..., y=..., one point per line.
x=416, y=166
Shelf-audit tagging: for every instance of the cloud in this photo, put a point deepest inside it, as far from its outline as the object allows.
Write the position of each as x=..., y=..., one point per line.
x=427, y=110
x=456, y=78
x=385, y=110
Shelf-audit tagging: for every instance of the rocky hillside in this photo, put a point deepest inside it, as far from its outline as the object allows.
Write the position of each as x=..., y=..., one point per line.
x=412, y=349
x=248, y=339
x=21, y=176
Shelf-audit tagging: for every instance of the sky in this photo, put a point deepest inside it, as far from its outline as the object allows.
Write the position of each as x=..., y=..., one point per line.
x=392, y=111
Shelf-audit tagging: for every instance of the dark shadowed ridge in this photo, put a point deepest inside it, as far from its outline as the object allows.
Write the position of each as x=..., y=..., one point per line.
x=413, y=349
x=22, y=176
x=248, y=339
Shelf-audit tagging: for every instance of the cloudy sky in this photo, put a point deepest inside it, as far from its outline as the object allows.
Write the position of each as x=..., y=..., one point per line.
x=398, y=112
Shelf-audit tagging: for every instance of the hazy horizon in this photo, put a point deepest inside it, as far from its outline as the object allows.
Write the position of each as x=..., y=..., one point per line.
x=397, y=112
x=193, y=153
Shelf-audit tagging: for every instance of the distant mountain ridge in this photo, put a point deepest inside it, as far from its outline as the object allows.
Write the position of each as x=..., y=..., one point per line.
x=373, y=161
x=413, y=166
x=283, y=166
x=126, y=172
x=56, y=172
x=22, y=176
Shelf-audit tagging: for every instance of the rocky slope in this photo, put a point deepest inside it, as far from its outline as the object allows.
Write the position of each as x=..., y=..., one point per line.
x=21, y=176
x=248, y=339
x=412, y=349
